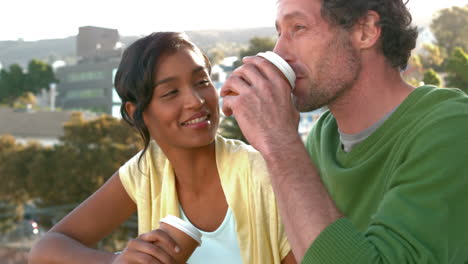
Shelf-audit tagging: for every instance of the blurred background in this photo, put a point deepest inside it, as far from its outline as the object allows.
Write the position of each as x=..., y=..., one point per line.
x=61, y=134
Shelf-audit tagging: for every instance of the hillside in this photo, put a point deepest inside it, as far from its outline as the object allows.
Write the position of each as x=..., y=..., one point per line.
x=49, y=50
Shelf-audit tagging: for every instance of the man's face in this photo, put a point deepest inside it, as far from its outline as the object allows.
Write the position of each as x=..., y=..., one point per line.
x=325, y=62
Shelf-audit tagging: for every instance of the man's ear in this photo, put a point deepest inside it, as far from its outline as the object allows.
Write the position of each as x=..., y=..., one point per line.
x=130, y=108
x=367, y=30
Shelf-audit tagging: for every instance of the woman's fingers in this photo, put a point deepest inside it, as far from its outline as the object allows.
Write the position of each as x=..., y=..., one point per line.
x=162, y=238
x=140, y=251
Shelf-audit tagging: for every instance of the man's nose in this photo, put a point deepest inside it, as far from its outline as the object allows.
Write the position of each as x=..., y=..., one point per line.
x=284, y=48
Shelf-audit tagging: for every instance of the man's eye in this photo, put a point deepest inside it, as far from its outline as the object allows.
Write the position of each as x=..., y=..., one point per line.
x=298, y=27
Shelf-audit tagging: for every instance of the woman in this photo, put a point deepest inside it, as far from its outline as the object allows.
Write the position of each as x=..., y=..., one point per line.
x=220, y=186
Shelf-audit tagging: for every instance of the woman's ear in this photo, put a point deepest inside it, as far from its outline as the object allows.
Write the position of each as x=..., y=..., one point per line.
x=367, y=30
x=130, y=108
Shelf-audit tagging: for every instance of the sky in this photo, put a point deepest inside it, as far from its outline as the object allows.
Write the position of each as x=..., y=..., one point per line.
x=45, y=19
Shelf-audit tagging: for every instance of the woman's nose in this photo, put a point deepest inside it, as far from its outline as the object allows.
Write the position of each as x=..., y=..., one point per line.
x=195, y=99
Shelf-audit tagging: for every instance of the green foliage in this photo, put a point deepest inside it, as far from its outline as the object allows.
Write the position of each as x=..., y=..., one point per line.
x=24, y=100
x=413, y=81
x=66, y=174
x=431, y=77
x=414, y=72
x=10, y=214
x=15, y=82
x=215, y=56
x=12, y=83
x=457, y=70
x=450, y=28
x=229, y=128
x=432, y=57
x=40, y=75
x=11, y=197
x=256, y=45
x=415, y=61
x=90, y=153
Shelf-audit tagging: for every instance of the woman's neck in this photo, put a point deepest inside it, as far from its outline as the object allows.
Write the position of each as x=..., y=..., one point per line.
x=194, y=168
x=198, y=186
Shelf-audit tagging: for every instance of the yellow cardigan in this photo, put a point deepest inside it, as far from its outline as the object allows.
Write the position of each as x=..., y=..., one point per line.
x=245, y=182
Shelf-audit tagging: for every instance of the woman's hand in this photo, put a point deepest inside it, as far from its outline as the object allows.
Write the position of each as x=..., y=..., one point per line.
x=152, y=247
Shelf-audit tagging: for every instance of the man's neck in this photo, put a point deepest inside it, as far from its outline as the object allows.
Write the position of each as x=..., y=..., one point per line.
x=376, y=92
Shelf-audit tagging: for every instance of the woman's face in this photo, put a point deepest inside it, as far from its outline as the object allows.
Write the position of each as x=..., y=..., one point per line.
x=183, y=111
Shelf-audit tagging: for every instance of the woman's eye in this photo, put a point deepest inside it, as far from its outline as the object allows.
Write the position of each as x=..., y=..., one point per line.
x=171, y=92
x=204, y=82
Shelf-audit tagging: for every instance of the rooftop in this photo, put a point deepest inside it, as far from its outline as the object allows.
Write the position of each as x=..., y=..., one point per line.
x=33, y=124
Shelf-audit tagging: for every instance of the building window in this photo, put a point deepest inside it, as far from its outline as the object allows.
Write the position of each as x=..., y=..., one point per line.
x=85, y=76
x=84, y=93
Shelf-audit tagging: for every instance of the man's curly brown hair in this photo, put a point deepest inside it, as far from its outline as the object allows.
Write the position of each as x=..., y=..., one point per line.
x=398, y=37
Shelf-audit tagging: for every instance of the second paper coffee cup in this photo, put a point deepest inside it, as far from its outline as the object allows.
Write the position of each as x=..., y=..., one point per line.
x=187, y=236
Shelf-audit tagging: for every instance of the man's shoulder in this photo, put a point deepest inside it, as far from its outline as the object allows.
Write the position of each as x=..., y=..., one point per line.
x=434, y=97
x=437, y=104
x=325, y=123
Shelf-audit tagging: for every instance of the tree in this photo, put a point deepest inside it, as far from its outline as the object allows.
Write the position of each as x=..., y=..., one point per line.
x=9, y=214
x=256, y=45
x=64, y=175
x=431, y=57
x=450, y=27
x=414, y=71
x=14, y=81
x=40, y=76
x=17, y=185
x=91, y=151
x=215, y=55
x=24, y=100
x=229, y=128
x=431, y=77
x=457, y=70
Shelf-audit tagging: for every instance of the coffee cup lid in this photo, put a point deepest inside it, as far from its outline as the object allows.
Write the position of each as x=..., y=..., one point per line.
x=183, y=226
x=281, y=64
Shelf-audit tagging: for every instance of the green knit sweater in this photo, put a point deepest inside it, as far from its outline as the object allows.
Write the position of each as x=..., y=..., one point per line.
x=403, y=190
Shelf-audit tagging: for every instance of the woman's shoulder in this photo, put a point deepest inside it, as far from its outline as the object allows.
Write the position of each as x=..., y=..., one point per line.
x=235, y=150
x=144, y=169
x=144, y=162
x=236, y=156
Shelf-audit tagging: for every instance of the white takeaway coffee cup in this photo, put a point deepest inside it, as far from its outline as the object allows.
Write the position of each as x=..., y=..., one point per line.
x=282, y=66
x=185, y=235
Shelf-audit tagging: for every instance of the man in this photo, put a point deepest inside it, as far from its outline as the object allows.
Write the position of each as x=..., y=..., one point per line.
x=383, y=175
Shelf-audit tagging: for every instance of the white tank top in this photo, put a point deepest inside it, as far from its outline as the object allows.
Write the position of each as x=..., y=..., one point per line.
x=219, y=246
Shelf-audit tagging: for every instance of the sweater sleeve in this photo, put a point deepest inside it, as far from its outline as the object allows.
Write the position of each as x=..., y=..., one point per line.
x=422, y=215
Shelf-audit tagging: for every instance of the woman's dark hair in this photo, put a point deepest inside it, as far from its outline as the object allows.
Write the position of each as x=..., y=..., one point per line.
x=398, y=37
x=135, y=77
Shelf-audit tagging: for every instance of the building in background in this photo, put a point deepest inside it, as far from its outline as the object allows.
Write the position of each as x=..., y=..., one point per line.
x=88, y=85
x=44, y=127
x=97, y=43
